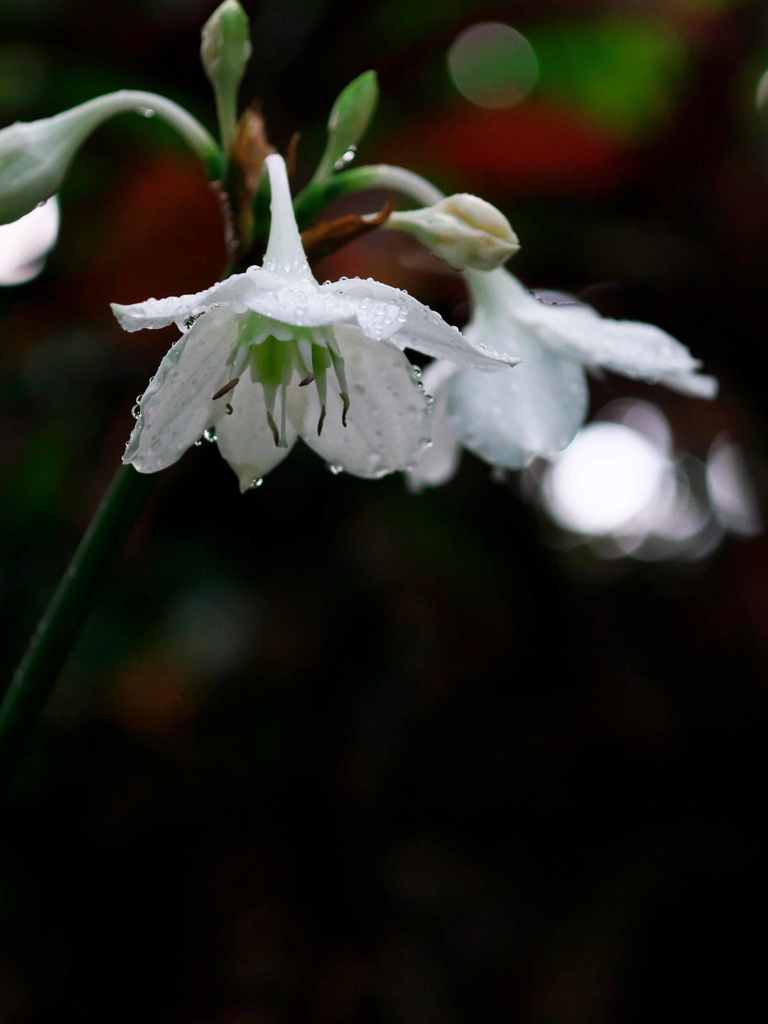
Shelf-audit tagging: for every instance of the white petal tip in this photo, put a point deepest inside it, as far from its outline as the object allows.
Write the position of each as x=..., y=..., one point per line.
x=125, y=317
x=696, y=385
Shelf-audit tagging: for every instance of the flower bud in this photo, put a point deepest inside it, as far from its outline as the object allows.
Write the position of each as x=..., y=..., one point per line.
x=225, y=50
x=35, y=155
x=463, y=230
x=348, y=121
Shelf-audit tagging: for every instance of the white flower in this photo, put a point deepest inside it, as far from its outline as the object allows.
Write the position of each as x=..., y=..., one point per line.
x=463, y=230
x=270, y=355
x=536, y=409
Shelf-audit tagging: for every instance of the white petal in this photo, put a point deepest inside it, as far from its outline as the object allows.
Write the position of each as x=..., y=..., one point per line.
x=285, y=253
x=176, y=407
x=698, y=385
x=244, y=437
x=422, y=329
x=503, y=309
x=379, y=320
x=534, y=409
x=154, y=313
x=302, y=303
x=439, y=462
x=388, y=422
x=634, y=349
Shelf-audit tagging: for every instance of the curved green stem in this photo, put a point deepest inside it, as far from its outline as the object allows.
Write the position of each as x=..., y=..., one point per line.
x=318, y=194
x=67, y=611
x=198, y=138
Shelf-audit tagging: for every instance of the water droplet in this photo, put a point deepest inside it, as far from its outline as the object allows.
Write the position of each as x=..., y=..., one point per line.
x=136, y=411
x=210, y=434
x=255, y=483
x=145, y=111
x=345, y=159
x=335, y=468
x=416, y=372
x=198, y=442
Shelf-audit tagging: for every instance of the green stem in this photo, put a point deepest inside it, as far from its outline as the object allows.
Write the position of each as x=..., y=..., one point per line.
x=318, y=194
x=67, y=611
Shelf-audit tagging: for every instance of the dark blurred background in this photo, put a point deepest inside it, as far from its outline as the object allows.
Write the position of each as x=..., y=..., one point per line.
x=336, y=752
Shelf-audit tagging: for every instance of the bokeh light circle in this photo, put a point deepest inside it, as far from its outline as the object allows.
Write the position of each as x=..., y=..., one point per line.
x=609, y=475
x=493, y=65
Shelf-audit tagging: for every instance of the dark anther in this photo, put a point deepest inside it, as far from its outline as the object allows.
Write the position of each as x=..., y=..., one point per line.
x=321, y=421
x=307, y=380
x=226, y=389
x=229, y=408
x=344, y=407
x=273, y=428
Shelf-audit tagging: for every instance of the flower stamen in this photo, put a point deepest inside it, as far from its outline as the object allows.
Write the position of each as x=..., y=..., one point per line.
x=230, y=386
x=338, y=368
x=273, y=428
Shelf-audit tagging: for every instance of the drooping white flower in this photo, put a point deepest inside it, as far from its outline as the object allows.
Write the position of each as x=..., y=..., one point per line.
x=271, y=355
x=536, y=409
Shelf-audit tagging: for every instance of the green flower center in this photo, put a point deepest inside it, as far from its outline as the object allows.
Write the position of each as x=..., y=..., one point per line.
x=273, y=352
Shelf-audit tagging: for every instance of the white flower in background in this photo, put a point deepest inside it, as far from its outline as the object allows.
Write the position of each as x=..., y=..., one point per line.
x=463, y=230
x=26, y=242
x=270, y=355
x=536, y=409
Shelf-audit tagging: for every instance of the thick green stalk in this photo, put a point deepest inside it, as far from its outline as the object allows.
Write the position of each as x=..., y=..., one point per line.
x=67, y=611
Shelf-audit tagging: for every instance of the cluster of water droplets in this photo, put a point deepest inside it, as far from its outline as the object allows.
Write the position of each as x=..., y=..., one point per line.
x=346, y=158
x=417, y=374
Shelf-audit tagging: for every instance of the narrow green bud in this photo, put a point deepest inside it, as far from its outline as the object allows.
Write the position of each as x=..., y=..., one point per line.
x=348, y=120
x=225, y=50
x=35, y=155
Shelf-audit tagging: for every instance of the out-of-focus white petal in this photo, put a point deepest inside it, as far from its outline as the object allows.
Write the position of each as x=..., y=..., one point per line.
x=154, y=313
x=388, y=421
x=421, y=328
x=438, y=463
x=698, y=385
x=24, y=243
x=245, y=438
x=176, y=407
x=633, y=349
x=509, y=418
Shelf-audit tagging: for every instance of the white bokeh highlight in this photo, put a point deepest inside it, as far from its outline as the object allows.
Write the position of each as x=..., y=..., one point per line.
x=607, y=477
x=622, y=488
